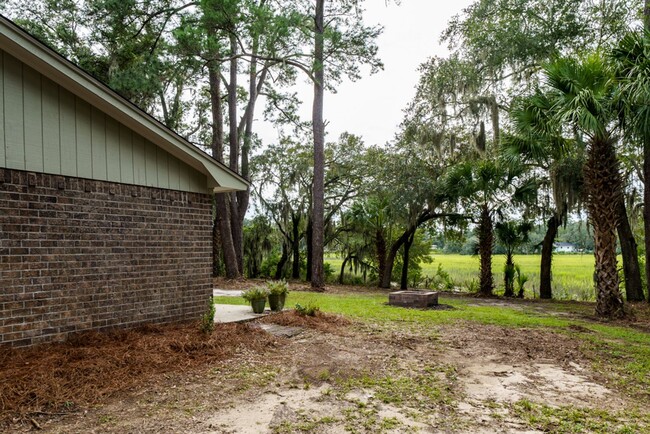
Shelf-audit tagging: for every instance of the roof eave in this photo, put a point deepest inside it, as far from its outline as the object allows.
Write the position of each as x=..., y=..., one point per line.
x=31, y=51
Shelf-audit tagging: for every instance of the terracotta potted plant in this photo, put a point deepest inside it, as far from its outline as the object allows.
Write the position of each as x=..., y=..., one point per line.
x=257, y=298
x=277, y=294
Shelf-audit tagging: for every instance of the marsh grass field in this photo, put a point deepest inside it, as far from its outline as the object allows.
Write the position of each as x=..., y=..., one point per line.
x=572, y=273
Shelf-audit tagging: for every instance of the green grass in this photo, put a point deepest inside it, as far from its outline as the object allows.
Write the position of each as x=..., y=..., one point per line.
x=373, y=308
x=621, y=353
x=572, y=274
x=571, y=419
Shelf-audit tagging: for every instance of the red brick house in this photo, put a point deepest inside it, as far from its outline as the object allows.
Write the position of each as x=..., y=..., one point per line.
x=105, y=214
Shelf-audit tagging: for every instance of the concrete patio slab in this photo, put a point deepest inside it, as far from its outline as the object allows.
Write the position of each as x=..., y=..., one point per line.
x=224, y=313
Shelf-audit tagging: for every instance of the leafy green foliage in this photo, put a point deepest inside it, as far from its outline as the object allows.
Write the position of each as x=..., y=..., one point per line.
x=309, y=309
x=207, y=320
x=277, y=287
x=255, y=294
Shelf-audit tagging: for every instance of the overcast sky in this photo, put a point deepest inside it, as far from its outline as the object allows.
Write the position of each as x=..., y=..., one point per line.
x=372, y=107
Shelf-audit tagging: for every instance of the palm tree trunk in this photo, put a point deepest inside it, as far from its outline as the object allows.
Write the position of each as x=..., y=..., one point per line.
x=485, y=246
x=631, y=270
x=545, y=290
x=604, y=189
x=646, y=192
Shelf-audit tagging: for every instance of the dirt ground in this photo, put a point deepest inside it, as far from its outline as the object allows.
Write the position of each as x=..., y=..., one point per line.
x=338, y=377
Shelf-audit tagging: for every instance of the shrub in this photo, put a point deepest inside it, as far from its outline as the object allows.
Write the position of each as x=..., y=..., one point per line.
x=207, y=320
x=277, y=287
x=310, y=309
x=255, y=294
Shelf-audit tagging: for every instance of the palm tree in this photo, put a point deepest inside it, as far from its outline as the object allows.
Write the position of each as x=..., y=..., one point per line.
x=488, y=187
x=633, y=72
x=537, y=141
x=581, y=93
x=511, y=235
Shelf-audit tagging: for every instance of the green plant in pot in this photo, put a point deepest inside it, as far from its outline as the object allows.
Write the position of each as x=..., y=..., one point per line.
x=277, y=294
x=257, y=298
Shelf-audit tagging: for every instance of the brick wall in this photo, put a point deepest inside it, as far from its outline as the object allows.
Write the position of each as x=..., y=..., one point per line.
x=78, y=254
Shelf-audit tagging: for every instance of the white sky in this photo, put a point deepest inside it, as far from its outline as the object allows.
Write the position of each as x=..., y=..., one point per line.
x=372, y=107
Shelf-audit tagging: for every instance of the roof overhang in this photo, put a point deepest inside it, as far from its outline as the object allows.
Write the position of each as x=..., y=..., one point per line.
x=34, y=53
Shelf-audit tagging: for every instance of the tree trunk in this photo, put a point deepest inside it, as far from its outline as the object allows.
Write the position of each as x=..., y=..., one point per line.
x=604, y=188
x=295, y=247
x=308, y=238
x=485, y=246
x=646, y=174
x=390, y=262
x=545, y=290
x=345, y=261
x=631, y=270
x=405, y=261
x=496, y=130
x=318, y=190
x=221, y=200
x=217, y=260
x=646, y=192
x=236, y=225
x=281, y=263
x=380, y=247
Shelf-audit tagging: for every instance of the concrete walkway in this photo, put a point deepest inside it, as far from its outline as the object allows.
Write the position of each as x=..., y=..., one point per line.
x=216, y=292
x=231, y=312
x=235, y=313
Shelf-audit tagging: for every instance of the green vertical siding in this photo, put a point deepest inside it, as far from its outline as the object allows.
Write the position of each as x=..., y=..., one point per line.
x=14, y=122
x=112, y=148
x=126, y=155
x=98, y=139
x=83, y=138
x=151, y=163
x=68, y=133
x=33, y=110
x=163, y=168
x=51, y=130
x=45, y=128
x=139, y=171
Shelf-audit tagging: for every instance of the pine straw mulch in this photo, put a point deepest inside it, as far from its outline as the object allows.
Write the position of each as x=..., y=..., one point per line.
x=59, y=378
x=325, y=322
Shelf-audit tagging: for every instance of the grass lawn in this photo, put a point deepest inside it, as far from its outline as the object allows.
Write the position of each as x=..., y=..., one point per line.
x=572, y=274
x=618, y=352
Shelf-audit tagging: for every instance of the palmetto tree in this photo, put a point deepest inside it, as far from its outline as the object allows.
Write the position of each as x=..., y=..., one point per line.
x=511, y=235
x=537, y=141
x=632, y=61
x=581, y=96
x=485, y=188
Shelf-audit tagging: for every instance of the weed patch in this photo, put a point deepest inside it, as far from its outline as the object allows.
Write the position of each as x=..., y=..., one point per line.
x=580, y=420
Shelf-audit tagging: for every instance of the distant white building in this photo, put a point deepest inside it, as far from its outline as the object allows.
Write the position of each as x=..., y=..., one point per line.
x=565, y=248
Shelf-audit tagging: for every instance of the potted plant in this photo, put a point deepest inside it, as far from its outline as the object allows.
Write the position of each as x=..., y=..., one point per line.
x=277, y=294
x=257, y=298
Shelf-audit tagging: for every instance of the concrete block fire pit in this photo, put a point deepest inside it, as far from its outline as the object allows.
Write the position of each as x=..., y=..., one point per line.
x=413, y=299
